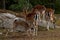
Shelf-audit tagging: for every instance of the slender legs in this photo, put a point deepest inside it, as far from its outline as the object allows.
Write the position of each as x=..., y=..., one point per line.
x=35, y=30
x=47, y=25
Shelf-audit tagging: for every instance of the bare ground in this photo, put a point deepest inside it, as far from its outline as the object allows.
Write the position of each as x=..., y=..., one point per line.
x=42, y=35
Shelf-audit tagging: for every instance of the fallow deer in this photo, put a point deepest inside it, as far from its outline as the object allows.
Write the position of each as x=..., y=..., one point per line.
x=50, y=17
x=34, y=17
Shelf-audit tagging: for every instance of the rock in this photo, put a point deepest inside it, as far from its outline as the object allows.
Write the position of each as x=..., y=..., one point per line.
x=7, y=20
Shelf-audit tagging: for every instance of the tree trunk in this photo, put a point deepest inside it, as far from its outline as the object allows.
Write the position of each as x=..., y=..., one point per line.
x=4, y=4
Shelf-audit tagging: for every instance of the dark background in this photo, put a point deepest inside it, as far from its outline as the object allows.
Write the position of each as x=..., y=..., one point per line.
x=19, y=5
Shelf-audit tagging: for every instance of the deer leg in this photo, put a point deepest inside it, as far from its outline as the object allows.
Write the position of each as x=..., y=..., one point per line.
x=36, y=27
x=7, y=32
x=47, y=25
x=36, y=31
x=28, y=32
x=53, y=25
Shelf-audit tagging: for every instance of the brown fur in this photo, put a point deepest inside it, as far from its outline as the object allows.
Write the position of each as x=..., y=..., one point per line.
x=38, y=7
x=51, y=11
x=21, y=23
x=30, y=16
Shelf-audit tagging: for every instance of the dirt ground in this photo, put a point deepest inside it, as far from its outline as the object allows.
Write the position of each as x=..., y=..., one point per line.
x=42, y=35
